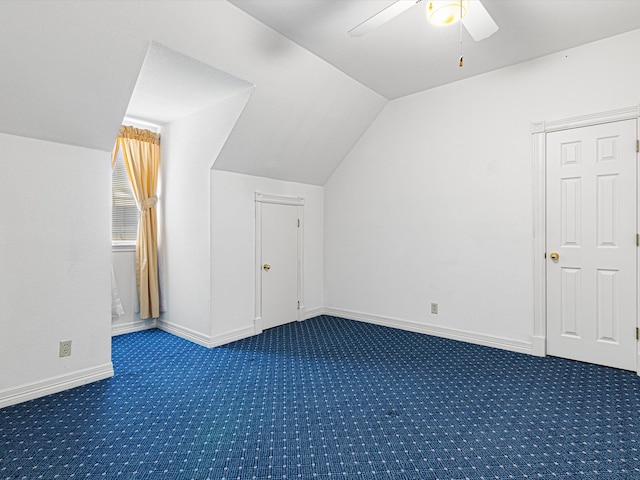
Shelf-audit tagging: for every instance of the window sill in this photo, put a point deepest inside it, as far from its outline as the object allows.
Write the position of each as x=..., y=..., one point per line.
x=123, y=247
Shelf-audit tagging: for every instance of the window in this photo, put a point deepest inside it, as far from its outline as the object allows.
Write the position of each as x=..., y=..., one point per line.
x=124, y=211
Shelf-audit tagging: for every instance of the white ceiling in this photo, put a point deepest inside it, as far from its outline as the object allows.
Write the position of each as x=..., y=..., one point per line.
x=408, y=55
x=172, y=85
x=69, y=69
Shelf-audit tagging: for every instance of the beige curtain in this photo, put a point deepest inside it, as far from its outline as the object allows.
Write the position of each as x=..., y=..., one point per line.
x=141, y=154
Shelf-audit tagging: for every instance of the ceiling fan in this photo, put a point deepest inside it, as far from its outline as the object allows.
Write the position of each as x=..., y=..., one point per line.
x=471, y=13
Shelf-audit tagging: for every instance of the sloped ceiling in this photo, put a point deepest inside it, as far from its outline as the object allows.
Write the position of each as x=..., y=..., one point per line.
x=309, y=121
x=69, y=67
x=69, y=70
x=172, y=85
x=407, y=54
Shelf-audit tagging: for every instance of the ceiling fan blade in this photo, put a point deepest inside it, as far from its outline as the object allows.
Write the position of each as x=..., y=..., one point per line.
x=478, y=22
x=383, y=16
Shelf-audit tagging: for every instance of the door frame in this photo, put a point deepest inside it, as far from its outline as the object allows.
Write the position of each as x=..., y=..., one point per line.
x=539, y=132
x=260, y=199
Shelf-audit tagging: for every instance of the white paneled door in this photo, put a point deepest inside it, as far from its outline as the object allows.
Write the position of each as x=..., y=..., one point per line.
x=279, y=264
x=591, y=244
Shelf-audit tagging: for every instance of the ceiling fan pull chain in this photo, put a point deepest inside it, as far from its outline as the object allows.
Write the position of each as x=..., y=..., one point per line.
x=461, y=62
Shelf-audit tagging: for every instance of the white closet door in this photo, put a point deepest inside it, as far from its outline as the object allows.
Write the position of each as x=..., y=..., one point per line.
x=591, y=244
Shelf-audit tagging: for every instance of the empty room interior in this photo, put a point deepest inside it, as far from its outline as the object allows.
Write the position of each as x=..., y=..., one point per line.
x=360, y=239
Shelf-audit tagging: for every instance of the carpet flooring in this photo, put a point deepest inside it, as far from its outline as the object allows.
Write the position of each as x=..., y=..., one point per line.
x=329, y=399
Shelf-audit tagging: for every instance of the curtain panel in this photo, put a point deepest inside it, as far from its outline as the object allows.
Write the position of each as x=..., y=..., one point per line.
x=141, y=154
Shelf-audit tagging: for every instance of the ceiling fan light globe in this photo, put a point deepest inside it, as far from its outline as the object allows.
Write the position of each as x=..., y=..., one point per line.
x=446, y=12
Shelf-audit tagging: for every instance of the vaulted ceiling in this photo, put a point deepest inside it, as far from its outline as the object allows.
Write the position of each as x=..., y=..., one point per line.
x=69, y=68
x=407, y=54
x=172, y=85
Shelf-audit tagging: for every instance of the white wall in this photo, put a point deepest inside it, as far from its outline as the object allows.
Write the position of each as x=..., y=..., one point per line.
x=124, y=269
x=54, y=267
x=233, y=248
x=189, y=147
x=207, y=230
x=434, y=204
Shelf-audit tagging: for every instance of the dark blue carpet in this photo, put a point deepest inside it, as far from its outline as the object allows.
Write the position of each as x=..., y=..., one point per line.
x=329, y=398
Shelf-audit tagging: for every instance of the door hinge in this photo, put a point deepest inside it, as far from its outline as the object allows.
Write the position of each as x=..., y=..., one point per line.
x=298, y=304
x=637, y=146
x=637, y=239
x=298, y=223
x=545, y=254
x=637, y=333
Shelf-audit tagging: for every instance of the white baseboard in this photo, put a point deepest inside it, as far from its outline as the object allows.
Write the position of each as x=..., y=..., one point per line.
x=312, y=313
x=130, y=327
x=304, y=315
x=232, y=336
x=202, y=339
x=539, y=346
x=30, y=391
x=435, y=330
x=184, y=332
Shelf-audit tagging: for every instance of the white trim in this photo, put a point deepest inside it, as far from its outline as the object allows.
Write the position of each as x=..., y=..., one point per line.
x=539, y=346
x=184, y=332
x=261, y=198
x=130, y=327
x=202, y=339
x=301, y=259
x=586, y=120
x=232, y=336
x=59, y=383
x=637, y=251
x=539, y=245
x=312, y=313
x=278, y=199
x=435, y=330
x=539, y=131
x=257, y=261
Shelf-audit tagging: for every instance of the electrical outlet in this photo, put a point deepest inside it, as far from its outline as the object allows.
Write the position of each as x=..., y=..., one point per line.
x=65, y=348
x=434, y=308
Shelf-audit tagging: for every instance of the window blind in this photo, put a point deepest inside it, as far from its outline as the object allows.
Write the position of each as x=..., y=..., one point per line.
x=124, y=212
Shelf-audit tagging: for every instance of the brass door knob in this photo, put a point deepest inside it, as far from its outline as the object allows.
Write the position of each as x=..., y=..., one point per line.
x=266, y=266
x=554, y=256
